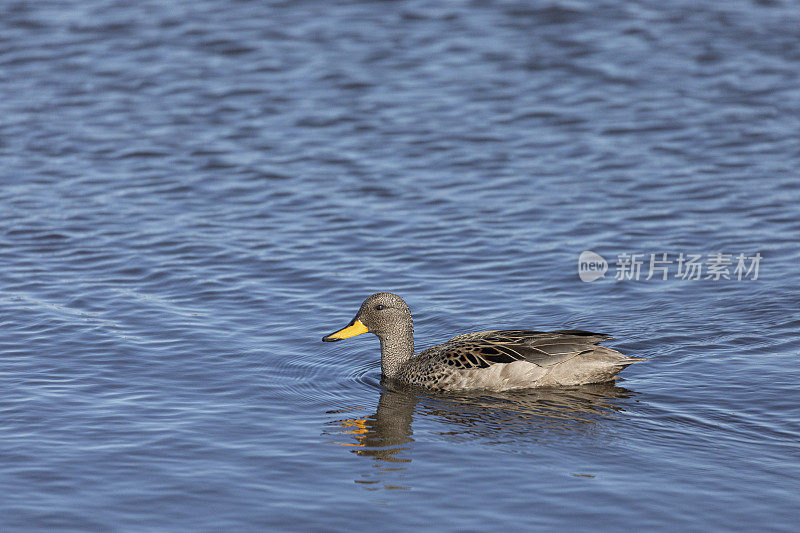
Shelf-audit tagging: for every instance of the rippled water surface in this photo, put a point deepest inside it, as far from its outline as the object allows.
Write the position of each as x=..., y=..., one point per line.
x=193, y=193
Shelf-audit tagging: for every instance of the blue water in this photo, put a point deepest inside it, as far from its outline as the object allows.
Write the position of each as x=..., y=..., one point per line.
x=193, y=193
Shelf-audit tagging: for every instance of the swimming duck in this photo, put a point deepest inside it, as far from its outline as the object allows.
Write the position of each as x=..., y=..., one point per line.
x=495, y=360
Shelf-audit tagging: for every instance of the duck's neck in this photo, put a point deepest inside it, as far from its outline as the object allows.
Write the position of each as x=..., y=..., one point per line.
x=397, y=347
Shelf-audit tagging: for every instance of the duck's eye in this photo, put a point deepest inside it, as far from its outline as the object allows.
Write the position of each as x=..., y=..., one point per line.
x=380, y=307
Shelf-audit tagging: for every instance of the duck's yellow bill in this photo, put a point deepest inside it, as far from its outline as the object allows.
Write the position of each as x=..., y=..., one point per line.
x=355, y=328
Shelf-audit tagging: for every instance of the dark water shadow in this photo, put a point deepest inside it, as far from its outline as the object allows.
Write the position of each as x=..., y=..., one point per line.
x=513, y=419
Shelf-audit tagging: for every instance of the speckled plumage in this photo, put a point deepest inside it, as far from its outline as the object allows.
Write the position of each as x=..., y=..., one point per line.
x=495, y=359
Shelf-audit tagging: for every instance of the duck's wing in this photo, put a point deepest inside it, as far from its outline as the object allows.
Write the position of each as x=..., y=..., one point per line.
x=543, y=348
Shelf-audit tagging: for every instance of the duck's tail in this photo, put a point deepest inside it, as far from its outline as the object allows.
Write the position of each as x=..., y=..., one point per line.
x=613, y=362
x=597, y=364
x=626, y=361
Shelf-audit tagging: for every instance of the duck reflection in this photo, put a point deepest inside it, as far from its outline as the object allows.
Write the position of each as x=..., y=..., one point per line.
x=509, y=418
x=383, y=434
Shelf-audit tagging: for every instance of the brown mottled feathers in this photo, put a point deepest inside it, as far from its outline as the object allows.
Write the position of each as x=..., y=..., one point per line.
x=543, y=348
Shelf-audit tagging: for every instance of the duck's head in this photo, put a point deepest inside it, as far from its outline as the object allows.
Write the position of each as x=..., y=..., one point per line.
x=381, y=313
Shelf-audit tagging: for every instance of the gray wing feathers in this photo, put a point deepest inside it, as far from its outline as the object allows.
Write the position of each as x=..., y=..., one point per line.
x=484, y=348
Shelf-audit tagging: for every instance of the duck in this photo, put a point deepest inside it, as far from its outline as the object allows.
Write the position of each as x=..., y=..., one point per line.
x=496, y=360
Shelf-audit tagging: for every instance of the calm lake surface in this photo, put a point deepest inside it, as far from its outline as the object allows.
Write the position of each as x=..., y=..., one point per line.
x=193, y=193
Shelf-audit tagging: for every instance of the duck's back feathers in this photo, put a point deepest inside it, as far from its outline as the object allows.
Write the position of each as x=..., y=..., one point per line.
x=506, y=359
x=485, y=348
